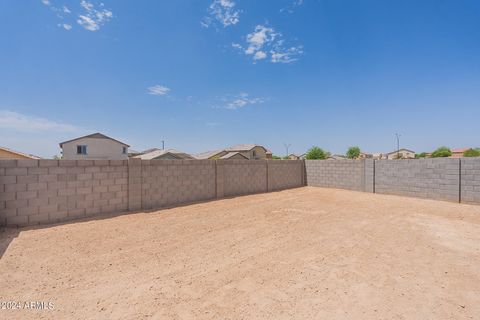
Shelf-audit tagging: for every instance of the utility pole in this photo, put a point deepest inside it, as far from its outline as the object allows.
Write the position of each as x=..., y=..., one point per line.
x=287, y=146
x=163, y=144
x=398, y=144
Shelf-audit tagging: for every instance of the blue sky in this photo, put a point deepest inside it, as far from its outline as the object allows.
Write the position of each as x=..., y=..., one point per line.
x=203, y=75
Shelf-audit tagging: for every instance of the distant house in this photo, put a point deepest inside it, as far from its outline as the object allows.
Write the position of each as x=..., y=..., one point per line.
x=401, y=154
x=458, y=153
x=233, y=156
x=6, y=153
x=364, y=155
x=379, y=156
x=294, y=157
x=133, y=153
x=246, y=151
x=159, y=154
x=94, y=146
x=336, y=157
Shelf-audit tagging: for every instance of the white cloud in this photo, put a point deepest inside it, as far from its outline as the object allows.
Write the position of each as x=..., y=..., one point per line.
x=223, y=12
x=257, y=39
x=87, y=5
x=65, y=26
x=158, y=90
x=265, y=41
x=288, y=55
x=237, y=101
x=259, y=55
x=88, y=23
x=291, y=8
x=20, y=122
x=91, y=15
x=93, y=19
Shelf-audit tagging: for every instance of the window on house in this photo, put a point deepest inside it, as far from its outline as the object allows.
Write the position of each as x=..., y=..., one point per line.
x=81, y=149
x=124, y=150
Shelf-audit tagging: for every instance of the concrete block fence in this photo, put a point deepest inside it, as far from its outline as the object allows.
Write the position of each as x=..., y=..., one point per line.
x=49, y=191
x=447, y=179
x=342, y=174
x=423, y=178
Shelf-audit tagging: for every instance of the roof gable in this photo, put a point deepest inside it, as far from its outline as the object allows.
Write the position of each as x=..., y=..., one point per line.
x=245, y=147
x=30, y=156
x=96, y=135
x=232, y=154
x=400, y=150
x=208, y=154
x=158, y=153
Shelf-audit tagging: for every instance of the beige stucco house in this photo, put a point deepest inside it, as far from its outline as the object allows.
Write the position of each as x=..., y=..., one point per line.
x=159, y=154
x=401, y=154
x=95, y=146
x=233, y=156
x=458, y=153
x=241, y=151
x=6, y=153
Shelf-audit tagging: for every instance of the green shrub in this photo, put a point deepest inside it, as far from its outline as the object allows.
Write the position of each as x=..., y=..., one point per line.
x=472, y=153
x=353, y=153
x=276, y=157
x=442, y=152
x=421, y=155
x=316, y=153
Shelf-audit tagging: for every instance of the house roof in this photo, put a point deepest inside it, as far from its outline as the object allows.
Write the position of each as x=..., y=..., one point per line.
x=236, y=148
x=150, y=150
x=207, y=154
x=97, y=135
x=158, y=153
x=460, y=150
x=232, y=154
x=245, y=147
x=403, y=149
x=337, y=157
x=31, y=156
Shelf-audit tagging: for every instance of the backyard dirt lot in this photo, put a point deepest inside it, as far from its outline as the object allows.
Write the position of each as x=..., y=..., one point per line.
x=307, y=253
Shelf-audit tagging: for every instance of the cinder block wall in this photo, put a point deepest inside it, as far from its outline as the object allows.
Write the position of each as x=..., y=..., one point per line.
x=241, y=177
x=285, y=174
x=170, y=182
x=48, y=191
x=342, y=174
x=424, y=178
x=442, y=178
x=44, y=191
x=470, y=180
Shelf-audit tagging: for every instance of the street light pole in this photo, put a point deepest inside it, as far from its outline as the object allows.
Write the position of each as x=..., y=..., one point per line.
x=398, y=144
x=287, y=146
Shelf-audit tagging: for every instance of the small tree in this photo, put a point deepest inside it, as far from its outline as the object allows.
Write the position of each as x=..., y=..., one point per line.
x=353, y=153
x=274, y=157
x=472, y=153
x=442, y=152
x=316, y=153
x=421, y=155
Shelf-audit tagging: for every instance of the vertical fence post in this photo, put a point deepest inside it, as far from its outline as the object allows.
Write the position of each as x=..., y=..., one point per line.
x=266, y=169
x=460, y=180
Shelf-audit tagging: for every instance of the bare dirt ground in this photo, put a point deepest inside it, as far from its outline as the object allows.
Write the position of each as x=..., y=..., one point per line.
x=307, y=253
